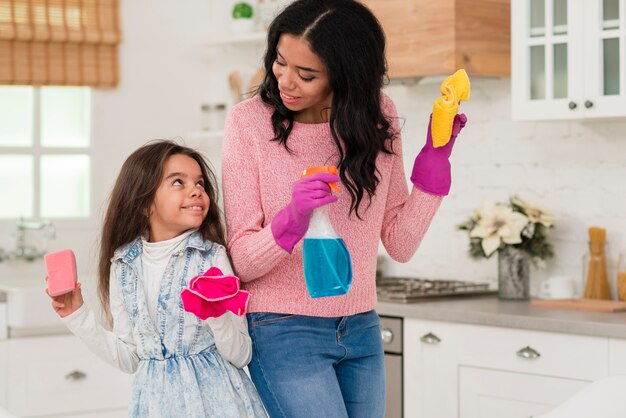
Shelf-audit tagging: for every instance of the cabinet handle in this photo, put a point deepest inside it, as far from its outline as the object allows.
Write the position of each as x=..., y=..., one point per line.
x=386, y=335
x=528, y=353
x=76, y=376
x=430, y=338
x=572, y=105
x=588, y=104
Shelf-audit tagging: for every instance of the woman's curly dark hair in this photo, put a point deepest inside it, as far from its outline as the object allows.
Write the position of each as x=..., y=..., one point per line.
x=349, y=40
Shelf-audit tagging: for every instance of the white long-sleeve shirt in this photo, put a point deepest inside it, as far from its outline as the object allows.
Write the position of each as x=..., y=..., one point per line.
x=118, y=348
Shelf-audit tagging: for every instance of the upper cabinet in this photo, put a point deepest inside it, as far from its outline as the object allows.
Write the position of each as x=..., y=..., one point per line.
x=430, y=37
x=568, y=59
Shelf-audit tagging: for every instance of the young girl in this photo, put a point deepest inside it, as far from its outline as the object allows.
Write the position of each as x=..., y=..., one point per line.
x=163, y=227
x=321, y=104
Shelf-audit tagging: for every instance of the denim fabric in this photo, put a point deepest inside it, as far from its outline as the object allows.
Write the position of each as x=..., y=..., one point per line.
x=306, y=366
x=180, y=374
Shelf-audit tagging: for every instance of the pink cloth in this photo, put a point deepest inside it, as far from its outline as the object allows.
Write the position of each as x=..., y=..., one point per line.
x=257, y=178
x=211, y=294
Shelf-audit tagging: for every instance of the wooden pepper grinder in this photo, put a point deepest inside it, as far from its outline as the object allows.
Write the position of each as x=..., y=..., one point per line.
x=597, y=286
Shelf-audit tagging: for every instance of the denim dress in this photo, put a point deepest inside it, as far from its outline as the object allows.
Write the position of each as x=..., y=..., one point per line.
x=180, y=373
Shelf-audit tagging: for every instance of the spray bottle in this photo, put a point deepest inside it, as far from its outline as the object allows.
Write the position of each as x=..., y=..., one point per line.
x=327, y=263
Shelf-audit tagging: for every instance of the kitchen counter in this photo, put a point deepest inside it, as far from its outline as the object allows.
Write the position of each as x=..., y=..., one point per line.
x=490, y=311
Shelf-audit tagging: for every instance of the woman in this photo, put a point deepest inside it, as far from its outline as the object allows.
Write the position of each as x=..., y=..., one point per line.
x=321, y=104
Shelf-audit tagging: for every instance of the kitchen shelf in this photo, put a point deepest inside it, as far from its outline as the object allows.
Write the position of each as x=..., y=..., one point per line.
x=239, y=38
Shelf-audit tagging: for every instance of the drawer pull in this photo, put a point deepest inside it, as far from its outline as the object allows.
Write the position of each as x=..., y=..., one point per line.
x=76, y=376
x=528, y=353
x=430, y=338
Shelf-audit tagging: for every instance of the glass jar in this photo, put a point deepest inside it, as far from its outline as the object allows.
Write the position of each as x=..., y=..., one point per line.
x=621, y=276
x=595, y=275
x=213, y=116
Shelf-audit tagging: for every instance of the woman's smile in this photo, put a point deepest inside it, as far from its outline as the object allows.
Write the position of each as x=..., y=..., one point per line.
x=288, y=99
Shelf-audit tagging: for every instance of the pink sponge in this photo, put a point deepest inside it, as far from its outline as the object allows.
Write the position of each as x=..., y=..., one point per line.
x=61, y=267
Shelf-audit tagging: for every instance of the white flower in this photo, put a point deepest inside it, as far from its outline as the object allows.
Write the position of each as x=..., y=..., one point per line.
x=535, y=213
x=498, y=224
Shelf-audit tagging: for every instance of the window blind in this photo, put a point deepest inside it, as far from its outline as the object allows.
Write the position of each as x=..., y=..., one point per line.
x=59, y=42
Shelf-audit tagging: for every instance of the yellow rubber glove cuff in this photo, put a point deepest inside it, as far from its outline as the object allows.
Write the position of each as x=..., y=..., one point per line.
x=454, y=89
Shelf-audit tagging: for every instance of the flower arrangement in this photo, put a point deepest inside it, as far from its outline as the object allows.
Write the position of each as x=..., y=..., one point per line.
x=518, y=223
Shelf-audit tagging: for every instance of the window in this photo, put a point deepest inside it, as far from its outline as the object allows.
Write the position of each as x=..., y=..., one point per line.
x=45, y=152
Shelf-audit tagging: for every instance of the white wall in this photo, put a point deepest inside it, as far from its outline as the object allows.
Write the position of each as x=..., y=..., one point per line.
x=165, y=74
x=575, y=168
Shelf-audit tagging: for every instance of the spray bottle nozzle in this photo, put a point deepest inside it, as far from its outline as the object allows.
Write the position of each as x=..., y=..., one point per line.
x=330, y=169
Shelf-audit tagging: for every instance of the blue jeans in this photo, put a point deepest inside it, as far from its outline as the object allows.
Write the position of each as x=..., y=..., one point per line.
x=306, y=366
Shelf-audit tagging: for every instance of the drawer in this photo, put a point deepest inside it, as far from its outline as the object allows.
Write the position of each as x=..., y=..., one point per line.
x=59, y=375
x=550, y=354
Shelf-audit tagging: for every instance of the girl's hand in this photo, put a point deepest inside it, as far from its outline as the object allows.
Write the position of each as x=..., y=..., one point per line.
x=68, y=303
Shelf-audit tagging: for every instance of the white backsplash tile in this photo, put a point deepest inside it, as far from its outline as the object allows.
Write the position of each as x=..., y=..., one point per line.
x=575, y=168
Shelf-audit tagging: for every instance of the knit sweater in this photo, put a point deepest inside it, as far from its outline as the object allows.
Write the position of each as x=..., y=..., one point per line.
x=258, y=174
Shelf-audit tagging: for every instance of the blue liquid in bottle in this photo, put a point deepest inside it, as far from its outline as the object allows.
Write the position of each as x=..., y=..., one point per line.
x=327, y=267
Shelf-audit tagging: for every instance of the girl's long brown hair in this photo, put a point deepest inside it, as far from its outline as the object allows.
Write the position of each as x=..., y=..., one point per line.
x=129, y=205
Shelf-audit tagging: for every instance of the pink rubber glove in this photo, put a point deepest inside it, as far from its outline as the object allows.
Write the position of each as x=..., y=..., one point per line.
x=290, y=224
x=431, y=170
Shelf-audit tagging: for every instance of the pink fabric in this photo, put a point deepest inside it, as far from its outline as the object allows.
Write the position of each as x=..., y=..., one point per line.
x=291, y=223
x=431, y=170
x=257, y=179
x=211, y=294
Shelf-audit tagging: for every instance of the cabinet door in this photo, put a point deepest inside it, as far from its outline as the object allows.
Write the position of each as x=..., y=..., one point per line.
x=4, y=365
x=547, y=58
x=430, y=369
x=60, y=376
x=605, y=58
x=496, y=394
x=617, y=356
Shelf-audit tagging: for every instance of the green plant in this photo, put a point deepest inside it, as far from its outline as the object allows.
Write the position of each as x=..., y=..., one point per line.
x=518, y=223
x=243, y=10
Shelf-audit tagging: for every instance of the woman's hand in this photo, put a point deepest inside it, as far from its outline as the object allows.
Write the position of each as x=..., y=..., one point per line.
x=431, y=171
x=67, y=303
x=311, y=192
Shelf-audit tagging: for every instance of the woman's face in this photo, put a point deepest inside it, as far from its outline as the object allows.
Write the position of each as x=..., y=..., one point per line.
x=302, y=80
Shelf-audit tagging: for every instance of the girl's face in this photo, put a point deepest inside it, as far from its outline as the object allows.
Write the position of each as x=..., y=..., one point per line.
x=302, y=80
x=180, y=203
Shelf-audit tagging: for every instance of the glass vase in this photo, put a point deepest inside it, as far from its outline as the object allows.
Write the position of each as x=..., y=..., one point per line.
x=513, y=274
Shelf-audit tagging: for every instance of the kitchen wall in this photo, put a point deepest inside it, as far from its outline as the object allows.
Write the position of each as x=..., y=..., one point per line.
x=572, y=168
x=165, y=75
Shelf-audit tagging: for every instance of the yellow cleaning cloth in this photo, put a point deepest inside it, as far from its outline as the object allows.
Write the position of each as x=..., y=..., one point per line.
x=454, y=89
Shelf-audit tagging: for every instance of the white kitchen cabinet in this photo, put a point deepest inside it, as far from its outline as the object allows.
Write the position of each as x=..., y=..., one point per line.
x=58, y=376
x=568, y=59
x=486, y=393
x=430, y=369
x=469, y=371
x=533, y=352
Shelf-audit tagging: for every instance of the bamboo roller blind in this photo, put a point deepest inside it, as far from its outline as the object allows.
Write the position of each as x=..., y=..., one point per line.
x=59, y=42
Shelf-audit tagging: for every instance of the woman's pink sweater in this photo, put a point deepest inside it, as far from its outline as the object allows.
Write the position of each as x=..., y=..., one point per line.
x=257, y=177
